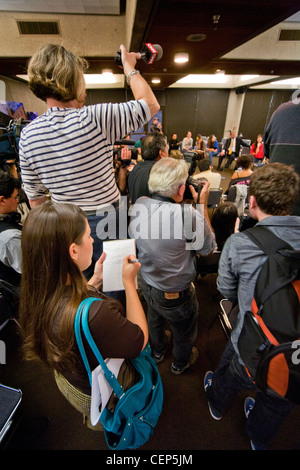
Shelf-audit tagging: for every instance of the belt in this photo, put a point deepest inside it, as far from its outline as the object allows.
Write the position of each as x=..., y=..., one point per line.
x=173, y=295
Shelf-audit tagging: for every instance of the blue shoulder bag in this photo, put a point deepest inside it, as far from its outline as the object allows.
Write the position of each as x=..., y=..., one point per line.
x=133, y=421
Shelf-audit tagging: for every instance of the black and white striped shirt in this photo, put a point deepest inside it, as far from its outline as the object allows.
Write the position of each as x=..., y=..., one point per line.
x=68, y=152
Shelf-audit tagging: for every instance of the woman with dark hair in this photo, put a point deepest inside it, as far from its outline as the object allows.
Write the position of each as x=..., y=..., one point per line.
x=56, y=248
x=212, y=148
x=223, y=222
x=257, y=149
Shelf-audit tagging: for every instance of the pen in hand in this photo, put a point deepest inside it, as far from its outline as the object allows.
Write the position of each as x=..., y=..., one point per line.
x=133, y=261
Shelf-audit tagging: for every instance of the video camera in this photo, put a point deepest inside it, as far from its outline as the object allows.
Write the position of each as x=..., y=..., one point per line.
x=197, y=185
x=117, y=151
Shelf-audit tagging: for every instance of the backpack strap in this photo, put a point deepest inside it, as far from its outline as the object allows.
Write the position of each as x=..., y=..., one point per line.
x=269, y=243
x=266, y=240
x=81, y=321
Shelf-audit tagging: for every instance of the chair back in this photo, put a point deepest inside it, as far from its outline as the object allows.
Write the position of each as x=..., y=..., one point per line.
x=214, y=198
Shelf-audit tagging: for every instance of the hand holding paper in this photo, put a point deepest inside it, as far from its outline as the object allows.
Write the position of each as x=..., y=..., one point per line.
x=114, y=266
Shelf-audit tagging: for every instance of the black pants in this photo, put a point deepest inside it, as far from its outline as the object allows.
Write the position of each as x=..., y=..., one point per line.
x=230, y=159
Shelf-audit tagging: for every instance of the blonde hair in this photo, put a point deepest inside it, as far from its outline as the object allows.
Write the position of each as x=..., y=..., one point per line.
x=167, y=175
x=57, y=73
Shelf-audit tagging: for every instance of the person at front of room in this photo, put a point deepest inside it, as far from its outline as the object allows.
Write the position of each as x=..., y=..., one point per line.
x=257, y=149
x=273, y=190
x=231, y=149
x=68, y=151
x=56, y=248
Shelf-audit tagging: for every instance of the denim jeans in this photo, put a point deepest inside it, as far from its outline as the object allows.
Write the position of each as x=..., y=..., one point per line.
x=181, y=315
x=268, y=413
x=211, y=155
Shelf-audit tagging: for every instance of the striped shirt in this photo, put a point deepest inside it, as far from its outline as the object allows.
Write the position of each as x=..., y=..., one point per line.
x=69, y=152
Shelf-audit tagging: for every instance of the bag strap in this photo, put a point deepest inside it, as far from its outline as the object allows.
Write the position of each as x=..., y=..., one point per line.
x=269, y=243
x=266, y=240
x=81, y=320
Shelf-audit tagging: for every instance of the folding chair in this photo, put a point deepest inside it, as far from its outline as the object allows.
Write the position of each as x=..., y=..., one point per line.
x=228, y=316
x=10, y=399
x=214, y=198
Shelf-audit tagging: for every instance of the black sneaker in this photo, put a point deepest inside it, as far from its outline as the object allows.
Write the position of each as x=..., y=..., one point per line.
x=193, y=358
x=160, y=357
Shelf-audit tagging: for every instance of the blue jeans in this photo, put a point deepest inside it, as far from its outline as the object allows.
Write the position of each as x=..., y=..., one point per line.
x=181, y=314
x=211, y=155
x=268, y=413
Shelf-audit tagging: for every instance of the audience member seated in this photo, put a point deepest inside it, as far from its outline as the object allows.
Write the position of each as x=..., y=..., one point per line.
x=57, y=248
x=205, y=168
x=231, y=149
x=200, y=146
x=168, y=262
x=187, y=142
x=223, y=222
x=257, y=150
x=154, y=147
x=212, y=148
x=174, y=143
x=243, y=172
x=10, y=230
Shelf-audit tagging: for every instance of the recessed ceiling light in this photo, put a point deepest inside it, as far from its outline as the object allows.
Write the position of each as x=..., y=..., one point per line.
x=155, y=80
x=181, y=57
x=248, y=77
x=209, y=79
x=106, y=77
x=103, y=78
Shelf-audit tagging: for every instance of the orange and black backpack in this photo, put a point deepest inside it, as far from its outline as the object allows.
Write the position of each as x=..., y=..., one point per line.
x=269, y=343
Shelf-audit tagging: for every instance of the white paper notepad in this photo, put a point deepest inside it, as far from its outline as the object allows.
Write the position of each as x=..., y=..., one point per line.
x=115, y=251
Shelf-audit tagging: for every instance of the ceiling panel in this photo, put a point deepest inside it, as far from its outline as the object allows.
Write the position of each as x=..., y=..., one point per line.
x=239, y=37
x=88, y=7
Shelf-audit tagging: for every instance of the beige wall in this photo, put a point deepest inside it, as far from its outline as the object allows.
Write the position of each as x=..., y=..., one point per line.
x=19, y=92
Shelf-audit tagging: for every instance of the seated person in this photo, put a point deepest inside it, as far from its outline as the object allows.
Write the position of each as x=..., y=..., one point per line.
x=10, y=230
x=257, y=149
x=173, y=143
x=231, y=149
x=212, y=148
x=187, y=143
x=57, y=248
x=205, y=168
x=243, y=172
x=200, y=146
x=223, y=222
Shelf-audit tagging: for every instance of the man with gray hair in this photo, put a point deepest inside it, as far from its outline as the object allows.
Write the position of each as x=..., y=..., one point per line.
x=168, y=237
x=153, y=148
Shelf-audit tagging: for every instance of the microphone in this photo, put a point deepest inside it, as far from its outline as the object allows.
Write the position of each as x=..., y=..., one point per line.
x=149, y=54
x=124, y=142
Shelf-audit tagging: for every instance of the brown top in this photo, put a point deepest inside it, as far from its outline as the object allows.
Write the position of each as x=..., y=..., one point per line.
x=114, y=335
